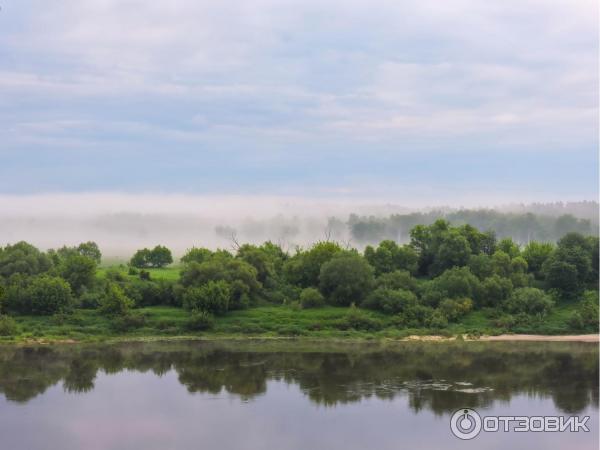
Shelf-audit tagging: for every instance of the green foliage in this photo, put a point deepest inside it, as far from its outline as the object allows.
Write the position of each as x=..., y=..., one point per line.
x=303, y=269
x=390, y=301
x=528, y=301
x=586, y=316
x=90, y=250
x=389, y=256
x=159, y=256
x=200, y=321
x=494, y=290
x=8, y=326
x=346, y=279
x=78, y=270
x=482, y=266
x=23, y=258
x=258, y=258
x=458, y=283
x=311, y=298
x=455, y=308
x=356, y=319
x=212, y=297
x=399, y=279
x=128, y=321
x=239, y=275
x=536, y=254
x=195, y=254
x=114, y=302
x=42, y=295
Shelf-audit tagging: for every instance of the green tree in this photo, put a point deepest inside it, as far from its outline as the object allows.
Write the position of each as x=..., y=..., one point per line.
x=389, y=256
x=536, y=254
x=259, y=259
x=494, y=290
x=303, y=268
x=141, y=259
x=78, y=270
x=90, y=250
x=195, y=254
x=23, y=258
x=160, y=256
x=346, y=279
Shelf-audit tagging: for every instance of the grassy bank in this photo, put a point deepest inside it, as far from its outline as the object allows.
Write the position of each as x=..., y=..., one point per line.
x=263, y=321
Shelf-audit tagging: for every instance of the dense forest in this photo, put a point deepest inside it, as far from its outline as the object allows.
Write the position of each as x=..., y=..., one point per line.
x=521, y=227
x=444, y=274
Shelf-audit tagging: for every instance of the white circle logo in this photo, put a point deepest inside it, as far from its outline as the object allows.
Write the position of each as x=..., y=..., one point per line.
x=465, y=423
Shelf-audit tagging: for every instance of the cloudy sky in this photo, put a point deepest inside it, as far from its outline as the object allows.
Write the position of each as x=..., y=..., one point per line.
x=395, y=99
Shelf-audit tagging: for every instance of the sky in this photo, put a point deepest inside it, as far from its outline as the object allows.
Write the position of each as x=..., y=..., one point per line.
x=429, y=101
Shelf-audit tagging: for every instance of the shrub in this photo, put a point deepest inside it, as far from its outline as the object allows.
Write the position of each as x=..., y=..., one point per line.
x=438, y=320
x=47, y=295
x=128, y=322
x=144, y=275
x=311, y=298
x=399, y=279
x=390, y=301
x=90, y=299
x=356, y=319
x=200, y=321
x=114, y=302
x=454, y=309
x=213, y=297
x=586, y=315
x=132, y=271
x=8, y=326
x=529, y=301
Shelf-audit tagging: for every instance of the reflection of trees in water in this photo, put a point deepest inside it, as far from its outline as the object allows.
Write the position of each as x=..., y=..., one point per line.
x=437, y=377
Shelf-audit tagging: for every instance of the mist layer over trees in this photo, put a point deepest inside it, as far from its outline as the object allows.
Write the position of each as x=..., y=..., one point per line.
x=121, y=228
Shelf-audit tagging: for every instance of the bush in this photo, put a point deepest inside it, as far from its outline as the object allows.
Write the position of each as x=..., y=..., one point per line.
x=114, y=302
x=132, y=271
x=46, y=295
x=454, y=309
x=586, y=315
x=356, y=319
x=144, y=275
x=390, y=301
x=90, y=300
x=200, y=321
x=399, y=279
x=213, y=297
x=128, y=322
x=311, y=298
x=438, y=320
x=8, y=326
x=529, y=301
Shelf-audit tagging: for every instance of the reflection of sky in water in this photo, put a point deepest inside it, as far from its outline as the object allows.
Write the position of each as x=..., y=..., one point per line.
x=133, y=410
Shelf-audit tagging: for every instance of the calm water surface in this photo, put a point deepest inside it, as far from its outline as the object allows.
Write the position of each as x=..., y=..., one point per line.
x=198, y=395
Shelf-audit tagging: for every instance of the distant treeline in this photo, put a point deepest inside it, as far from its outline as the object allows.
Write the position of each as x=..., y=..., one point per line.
x=444, y=273
x=521, y=227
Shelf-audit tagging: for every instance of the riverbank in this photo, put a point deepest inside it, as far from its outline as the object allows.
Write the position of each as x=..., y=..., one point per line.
x=279, y=322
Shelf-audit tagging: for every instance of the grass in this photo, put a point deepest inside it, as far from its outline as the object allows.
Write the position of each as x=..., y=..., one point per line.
x=263, y=321
x=170, y=273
